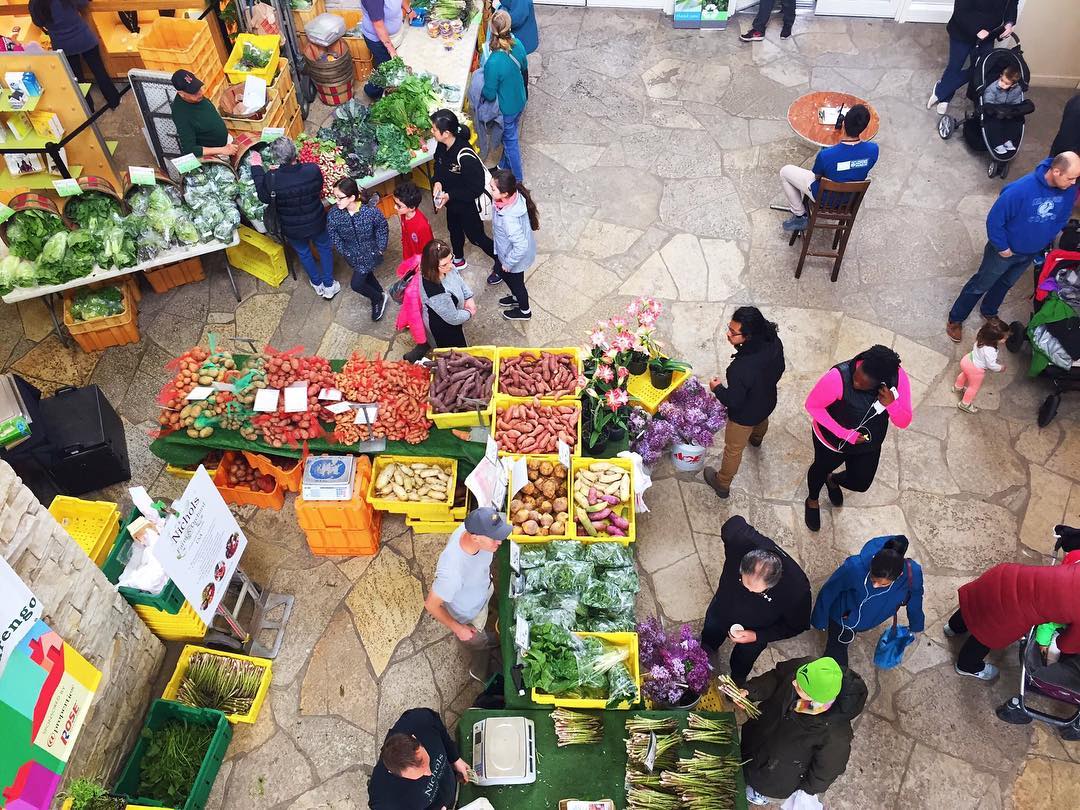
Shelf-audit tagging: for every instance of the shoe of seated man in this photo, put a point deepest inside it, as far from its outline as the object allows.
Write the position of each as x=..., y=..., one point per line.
x=796, y=222
x=756, y=798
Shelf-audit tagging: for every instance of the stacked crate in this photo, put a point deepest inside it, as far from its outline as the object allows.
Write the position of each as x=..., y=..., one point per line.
x=172, y=43
x=281, y=110
x=342, y=528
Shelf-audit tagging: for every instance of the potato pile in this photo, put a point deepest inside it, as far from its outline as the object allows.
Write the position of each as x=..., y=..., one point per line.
x=534, y=428
x=241, y=475
x=457, y=378
x=418, y=481
x=540, y=508
x=538, y=374
x=602, y=499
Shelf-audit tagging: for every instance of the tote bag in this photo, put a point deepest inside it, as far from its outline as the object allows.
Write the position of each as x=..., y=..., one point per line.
x=896, y=638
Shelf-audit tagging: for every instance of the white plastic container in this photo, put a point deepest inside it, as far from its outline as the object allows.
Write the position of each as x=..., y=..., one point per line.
x=688, y=457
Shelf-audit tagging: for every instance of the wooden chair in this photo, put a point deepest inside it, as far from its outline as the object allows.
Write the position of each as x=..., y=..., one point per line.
x=836, y=212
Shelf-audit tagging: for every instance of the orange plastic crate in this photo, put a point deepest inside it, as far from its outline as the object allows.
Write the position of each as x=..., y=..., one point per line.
x=345, y=543
x=170, y=43
x=288, y=478
x=242, y=495
x=355, y=514
x=103, y=333
x=174, y=275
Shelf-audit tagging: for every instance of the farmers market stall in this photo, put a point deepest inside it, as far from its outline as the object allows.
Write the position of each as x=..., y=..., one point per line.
x=598, y=770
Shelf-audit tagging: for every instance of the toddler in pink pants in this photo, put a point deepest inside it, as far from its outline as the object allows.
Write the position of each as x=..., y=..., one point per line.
x=982, y=358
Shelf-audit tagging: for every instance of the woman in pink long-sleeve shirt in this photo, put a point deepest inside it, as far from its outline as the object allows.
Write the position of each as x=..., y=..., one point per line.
x=851, y=407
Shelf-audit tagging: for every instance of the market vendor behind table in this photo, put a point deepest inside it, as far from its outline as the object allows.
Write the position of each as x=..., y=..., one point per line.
x=199, y=127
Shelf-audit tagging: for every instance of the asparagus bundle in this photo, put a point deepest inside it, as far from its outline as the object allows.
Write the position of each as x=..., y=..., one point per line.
x=736, y=696
x=667, y=750
x=217, y=682
x=638, y=724
x=649, y=799
x=704, y=781
x=575, y=728
x=702, y=729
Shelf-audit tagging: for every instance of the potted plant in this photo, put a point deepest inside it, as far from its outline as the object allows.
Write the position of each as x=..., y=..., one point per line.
x=687, y=422
x=661, y=370
x=88, y=794
x=675, y=667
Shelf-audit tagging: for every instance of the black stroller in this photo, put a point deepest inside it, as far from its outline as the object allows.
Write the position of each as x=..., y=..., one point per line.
x=994, y=128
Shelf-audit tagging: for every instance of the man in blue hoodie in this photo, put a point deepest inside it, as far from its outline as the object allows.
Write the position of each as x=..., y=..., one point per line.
x=1028, y=216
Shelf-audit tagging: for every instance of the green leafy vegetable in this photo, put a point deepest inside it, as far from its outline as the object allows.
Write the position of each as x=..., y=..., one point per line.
x=29, y=230
x=90, y=304
x=90, y=206
x=621, y=686
x=15, y=272
x=393, y=149
x=253, y=58
x=408, y=108
x=550, y=664
x=170, y=764
x=389, y=73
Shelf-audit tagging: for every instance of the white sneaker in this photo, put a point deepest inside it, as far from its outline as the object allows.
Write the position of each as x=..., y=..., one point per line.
x=331, y=291
x=931, y=102
x=754, y=797
x=318, y=288
x=942, y=108
x=987, y=673
x=948, y=631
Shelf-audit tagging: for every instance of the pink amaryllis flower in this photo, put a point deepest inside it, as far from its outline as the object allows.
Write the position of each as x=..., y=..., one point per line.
x=604, y=373
x=618, y=323
x=622, y=342
x=609, y=356
x=623, y=372
x=648, y=317
x=616, y=398
x=597, y=337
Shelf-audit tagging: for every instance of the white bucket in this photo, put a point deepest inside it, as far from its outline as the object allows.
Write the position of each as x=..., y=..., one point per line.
x=688, y=457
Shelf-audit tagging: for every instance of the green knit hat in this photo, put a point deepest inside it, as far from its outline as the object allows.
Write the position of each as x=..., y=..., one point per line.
x=820, y=679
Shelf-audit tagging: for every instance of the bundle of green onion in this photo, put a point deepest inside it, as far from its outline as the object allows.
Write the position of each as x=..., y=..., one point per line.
x=736, y=696
x=218, y=682
x=576, y=728
x=702, y=729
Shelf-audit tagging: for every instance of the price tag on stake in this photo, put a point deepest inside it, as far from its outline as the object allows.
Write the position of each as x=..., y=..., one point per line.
x=521, y=635
x=142, y=176
x=564, y=455
x=271, y=134
x=6, y=213
x=186, y=163
x=67, y=188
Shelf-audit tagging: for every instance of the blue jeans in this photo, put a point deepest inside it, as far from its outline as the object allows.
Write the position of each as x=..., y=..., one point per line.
x=323, y=273
x=955, y=75
x=379, y=54
x=511, y=157
x=994, y=278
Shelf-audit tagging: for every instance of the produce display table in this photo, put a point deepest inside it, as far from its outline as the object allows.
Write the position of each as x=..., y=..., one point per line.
x=588, y=772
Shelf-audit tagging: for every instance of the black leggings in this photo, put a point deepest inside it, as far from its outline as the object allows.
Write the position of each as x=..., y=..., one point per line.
x=834, y=647
x=368, y=286
x=516, y=283
x=101, y=76
x=462, y=222
x=973, y=652
x=859, y=468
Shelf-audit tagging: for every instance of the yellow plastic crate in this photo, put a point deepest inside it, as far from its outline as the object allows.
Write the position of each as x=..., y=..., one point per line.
x=577, y=464
x=173, y=687
x=92, y=524
x=648, y=398
x=183, y=626
x=185, y=474
x=266, y=42
x=260, y=256
x=573, y=351
x=629, y=640
x=526, y=539
x=503, y=400
x=470, y=418
x=427, y=511
x=424, y=526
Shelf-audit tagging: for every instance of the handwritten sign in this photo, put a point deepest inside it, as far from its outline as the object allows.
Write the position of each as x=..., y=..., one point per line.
x=186, y=163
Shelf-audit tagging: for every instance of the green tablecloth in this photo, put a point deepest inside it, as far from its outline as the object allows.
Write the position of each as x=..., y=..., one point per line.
x=577, y=771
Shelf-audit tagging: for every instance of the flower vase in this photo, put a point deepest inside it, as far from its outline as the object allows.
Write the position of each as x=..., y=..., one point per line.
x=639, y=363
x=687, y=457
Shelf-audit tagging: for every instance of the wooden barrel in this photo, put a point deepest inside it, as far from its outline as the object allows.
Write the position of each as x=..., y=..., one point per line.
x=30, y=201
x=331, y=65
x=93, y=183
x=127, y=186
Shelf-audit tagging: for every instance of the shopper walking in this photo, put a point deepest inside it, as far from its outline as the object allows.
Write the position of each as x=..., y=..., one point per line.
x=869, y=588
x=523, y=24
x=851, y=407
x=763, y=596
x=504, y=81
x=802, y=740
x=298, y=190
x=982, y=358
x=419, y=766
x=360, y=233
x=750, y=395
x=1068, y=134
x=761, y=20
x=62, y=20
x=459, y=184
x=512, y=225
x=972, y=21
x=1026, y=218
x=446, y=301
x=415, y=230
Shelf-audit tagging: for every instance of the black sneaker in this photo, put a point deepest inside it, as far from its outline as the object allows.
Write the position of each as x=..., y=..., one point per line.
x=516, y=314
x=753, y=35
x=494, y=278
x=785, y=32
x=508, y=301
x=379, y=307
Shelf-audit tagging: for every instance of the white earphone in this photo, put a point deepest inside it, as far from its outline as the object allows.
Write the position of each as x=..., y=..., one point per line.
x=844, y=628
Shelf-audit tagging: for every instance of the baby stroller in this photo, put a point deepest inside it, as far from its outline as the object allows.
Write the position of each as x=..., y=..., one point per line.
x=1055, y=316
x=994, y=128
x=1059, y=681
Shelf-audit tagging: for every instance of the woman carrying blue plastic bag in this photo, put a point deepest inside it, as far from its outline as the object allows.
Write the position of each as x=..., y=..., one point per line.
x=868, y=589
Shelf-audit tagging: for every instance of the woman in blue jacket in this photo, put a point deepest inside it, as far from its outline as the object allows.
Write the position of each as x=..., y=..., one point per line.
x=867, y=590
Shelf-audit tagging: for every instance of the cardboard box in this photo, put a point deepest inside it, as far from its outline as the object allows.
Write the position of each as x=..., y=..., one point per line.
x=47, y=124
x=23, y=163
x=20, y=125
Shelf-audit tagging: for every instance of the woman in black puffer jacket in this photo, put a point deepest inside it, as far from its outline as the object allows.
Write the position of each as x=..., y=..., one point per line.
x=298, y=187
x=972, y=21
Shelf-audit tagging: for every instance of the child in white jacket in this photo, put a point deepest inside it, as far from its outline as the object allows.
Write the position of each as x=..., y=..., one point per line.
x=982, y=358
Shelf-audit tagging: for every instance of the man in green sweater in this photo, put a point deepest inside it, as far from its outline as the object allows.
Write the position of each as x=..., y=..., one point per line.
x=199, y=127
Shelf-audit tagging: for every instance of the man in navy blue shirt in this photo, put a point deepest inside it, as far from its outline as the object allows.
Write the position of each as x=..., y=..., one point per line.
x=850, y=161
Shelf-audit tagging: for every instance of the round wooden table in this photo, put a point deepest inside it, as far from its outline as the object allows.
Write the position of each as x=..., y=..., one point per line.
x=803, y=117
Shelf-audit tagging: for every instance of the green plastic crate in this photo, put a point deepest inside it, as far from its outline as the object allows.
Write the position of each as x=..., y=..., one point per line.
x=169, y=600
x=161, y=711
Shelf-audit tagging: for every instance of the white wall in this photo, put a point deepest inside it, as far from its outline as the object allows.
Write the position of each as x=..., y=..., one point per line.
x=1049, y=30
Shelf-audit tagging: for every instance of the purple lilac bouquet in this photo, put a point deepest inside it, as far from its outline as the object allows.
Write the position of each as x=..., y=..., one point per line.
x=691, y=415
x=672, y=665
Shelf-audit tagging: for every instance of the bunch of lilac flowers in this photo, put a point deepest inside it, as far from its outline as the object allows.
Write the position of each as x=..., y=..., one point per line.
x=674, y=665
x=691, y=415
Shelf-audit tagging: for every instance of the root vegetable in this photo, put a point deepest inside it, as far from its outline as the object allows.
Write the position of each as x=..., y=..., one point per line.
x=533, y=428
x=544, y=373
x=601, y=491
x=536, y=509
x=458, y=379
x=414, y=481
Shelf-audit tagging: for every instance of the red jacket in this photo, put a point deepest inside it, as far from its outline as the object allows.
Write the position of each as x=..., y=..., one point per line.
x=410, y=315
x=1008, y=600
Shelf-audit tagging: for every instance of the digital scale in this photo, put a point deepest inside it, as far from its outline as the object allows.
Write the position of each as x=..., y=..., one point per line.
x=504, y=751
x=329, y=478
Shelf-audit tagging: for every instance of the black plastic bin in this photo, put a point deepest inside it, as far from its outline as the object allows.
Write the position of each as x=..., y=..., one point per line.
x=89, y=450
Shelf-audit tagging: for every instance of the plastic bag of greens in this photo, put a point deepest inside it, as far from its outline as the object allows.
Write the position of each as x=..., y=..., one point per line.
x=598, y=621
x=565, y=550
x=595, y=658
x=621, y=686
x=532, y=556
x=248, y=198
x=326, y=29
x=625, y=579
x=609, y=555
x=554, y=615
x=90, y=304
x=565, y=576
x=253, y=58
x=186, y=232
x=119, y=247
x=150, y=245
x=603, y=595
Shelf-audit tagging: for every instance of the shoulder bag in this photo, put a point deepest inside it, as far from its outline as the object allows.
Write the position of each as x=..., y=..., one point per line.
x=271, y=218
x=483, y=202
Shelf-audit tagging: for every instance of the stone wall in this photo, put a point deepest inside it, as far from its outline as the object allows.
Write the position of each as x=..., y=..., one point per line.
x=82, y=606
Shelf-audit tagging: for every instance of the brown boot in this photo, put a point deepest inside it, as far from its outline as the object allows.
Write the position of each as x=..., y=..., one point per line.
x=710, y=479
x=955, y=331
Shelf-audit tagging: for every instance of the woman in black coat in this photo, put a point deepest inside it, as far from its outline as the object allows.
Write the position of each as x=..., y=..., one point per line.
x=750, y=395
x=972, y=21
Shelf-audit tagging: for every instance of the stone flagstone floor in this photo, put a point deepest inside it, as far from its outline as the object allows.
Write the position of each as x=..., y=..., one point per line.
x=653, y=155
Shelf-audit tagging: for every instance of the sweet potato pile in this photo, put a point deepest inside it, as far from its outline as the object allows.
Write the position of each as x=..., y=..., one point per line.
x=458, y=378
x=540, y=508
x=602, y=499
x=534, y=428
x=538, y=373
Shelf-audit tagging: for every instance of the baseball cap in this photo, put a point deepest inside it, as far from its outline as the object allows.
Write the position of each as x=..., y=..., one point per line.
x=186, y=81
x=488, y=522
x=820, y=679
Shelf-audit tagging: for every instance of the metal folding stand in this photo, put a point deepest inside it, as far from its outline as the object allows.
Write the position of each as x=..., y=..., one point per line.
x=255, y=613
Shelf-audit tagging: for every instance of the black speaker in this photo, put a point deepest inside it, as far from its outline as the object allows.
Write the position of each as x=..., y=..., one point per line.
x=88, y=446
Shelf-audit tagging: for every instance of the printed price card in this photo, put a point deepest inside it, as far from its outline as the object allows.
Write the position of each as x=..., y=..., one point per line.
x=186, y=163
x=142, y=176
x=271, y=134
x=67, y=188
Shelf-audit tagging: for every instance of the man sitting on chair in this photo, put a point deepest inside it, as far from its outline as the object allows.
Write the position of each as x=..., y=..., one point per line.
x=849, y=161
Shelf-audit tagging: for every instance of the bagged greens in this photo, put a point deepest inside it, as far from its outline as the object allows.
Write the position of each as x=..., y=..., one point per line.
x=532, y=556
x=89, y=304
x=118, y=243
x=565, y=576
x=29, y=230
x=565, y=550
x=621, y=686
x=253, y=58
x=598, y=621
x=210, y=193
x=248, y=198
x=606, y=596
x=625, y=579
x=14, y=271
x=609, y=555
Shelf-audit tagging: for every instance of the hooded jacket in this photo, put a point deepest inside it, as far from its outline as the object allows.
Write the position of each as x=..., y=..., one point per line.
x=788, y=750
x=781, y=612
x=850, y=598
x=1029, y=213
x=752, y=376
x=515, y=244
x=969, y=17
x=299, y=197
x=1068, y=134
x=411, y=316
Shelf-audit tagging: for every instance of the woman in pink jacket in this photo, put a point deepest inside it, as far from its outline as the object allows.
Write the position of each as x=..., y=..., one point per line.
x=410, y=315
x=851, y=407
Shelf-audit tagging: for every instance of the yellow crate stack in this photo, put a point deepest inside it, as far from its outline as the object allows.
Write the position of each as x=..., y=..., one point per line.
x=92, y=524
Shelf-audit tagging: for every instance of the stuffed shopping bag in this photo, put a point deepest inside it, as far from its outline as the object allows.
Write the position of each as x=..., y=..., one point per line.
x=800, y=800
x=891, y=646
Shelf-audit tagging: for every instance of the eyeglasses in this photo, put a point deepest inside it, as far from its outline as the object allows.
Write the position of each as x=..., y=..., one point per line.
x=733, y=333
x=340, y=197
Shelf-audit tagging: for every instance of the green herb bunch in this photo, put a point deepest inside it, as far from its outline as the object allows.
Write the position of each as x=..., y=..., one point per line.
x=174, y=753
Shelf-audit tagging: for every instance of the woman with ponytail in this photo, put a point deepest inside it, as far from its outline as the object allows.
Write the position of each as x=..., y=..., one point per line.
x=869, y=588
x=513, y=224
x=504, y=80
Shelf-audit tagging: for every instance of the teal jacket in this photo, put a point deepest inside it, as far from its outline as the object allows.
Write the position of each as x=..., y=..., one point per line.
x=503, y=80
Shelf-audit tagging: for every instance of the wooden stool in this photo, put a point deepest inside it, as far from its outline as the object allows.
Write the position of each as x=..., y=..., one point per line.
x=835, y=210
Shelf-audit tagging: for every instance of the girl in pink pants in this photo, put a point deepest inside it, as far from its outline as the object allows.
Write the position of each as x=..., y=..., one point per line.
x=982, y=358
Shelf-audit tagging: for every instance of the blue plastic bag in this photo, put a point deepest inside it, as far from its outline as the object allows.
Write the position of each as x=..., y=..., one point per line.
x=891, y=646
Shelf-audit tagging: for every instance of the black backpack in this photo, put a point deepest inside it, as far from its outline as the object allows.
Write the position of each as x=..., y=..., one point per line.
x=271, y=218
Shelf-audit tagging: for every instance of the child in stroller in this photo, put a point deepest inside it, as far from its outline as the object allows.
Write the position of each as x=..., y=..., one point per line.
x=999, y=80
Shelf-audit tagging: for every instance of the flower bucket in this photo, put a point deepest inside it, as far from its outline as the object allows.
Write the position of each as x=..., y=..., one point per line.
x=688, y=457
